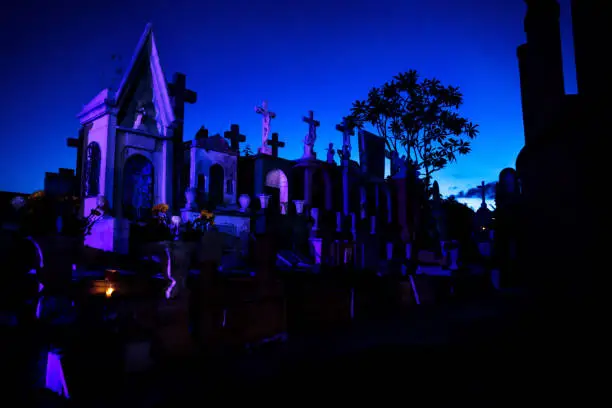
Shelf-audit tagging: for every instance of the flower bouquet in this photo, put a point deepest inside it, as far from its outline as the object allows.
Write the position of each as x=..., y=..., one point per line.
x=205, y=220
x=159, y=227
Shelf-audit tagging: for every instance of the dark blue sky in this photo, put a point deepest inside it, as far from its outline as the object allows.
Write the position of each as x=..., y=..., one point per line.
x=316, y=55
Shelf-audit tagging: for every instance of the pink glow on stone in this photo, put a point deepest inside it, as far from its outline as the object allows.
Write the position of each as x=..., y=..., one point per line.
x=41, y=263
x=169, y=274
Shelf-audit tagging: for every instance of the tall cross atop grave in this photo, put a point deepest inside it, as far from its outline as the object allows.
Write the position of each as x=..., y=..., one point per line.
x=311, y=136
x=312, y=128
x=266, y=125
x=234, y=137
x=179, y=95
x=275, y=144
x=483, y=194
x=347, y=132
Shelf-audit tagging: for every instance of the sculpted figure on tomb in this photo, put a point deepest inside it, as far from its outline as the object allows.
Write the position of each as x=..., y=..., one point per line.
x=267, y=117
x=330, y=153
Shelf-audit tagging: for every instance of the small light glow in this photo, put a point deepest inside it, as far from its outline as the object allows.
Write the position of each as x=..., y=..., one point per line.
x=109, y=291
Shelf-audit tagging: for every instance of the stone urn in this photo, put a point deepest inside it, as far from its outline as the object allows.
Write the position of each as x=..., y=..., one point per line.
x=299, y=206
x=263, y=200
x=284, y=207
x=244, y=201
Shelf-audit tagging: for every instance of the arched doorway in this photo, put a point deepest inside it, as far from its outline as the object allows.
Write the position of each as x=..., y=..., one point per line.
x=137, y=187
x=215, y=186
x=277, y=186
x=91, y=174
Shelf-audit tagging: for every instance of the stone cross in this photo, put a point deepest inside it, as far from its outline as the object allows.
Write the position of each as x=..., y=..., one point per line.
x=266, y=124
x=312, y=128
x=275, y=144
x=180, y=95
x=347, y=132
x=234, y=136
x=483, y=194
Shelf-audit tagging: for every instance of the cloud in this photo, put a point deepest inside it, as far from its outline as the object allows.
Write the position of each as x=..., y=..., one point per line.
x=453, y=188
x=475, y=192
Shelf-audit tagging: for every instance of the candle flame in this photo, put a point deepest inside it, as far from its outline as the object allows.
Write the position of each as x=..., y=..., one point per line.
x=109, y=291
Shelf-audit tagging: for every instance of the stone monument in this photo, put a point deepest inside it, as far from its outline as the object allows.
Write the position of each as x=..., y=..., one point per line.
x=311, y=136
x=266, y=124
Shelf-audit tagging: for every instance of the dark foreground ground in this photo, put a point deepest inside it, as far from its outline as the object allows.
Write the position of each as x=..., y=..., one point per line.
x=492, y=353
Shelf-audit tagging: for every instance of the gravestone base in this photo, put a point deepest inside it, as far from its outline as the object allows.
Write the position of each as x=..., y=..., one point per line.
x=172, y=337
x=109, y=234
x=189, y=214
x=233, y=222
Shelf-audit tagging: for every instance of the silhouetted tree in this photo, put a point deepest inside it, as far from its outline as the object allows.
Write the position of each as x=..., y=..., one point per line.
x=419, y=119
x=247, y=150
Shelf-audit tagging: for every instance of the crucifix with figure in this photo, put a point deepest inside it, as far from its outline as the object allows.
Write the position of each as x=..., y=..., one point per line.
x=347, y=132
x=483, y=191
x=235, y=138
x=266, y=125
x=274, y=143
x=311, y=136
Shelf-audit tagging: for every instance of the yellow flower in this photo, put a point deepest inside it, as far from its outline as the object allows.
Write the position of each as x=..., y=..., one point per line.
x=206, y=214
x=160, y=208
x=37, y=195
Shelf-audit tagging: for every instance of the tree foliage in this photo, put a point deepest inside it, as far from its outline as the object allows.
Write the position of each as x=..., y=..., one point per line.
x=419, y=119
x=247, y=151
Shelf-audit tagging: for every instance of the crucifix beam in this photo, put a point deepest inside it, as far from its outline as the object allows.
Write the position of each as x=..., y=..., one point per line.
x=311, y=120
x=275, y=144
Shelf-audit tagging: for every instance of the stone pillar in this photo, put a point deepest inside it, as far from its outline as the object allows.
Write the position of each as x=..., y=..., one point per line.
x=338, y=222
x=345, y=188
x=372, y=224
x=307, y=186
x=193, y=178
x=389, y=251
x=314, y=213
x=362, y=193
